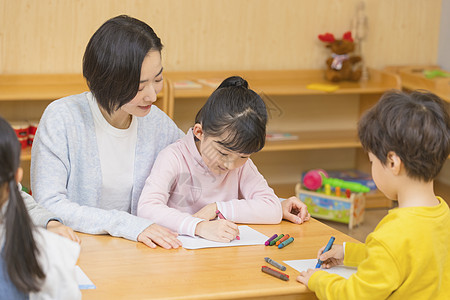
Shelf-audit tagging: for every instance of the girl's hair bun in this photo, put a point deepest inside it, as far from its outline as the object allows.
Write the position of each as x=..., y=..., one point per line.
x=234, y=81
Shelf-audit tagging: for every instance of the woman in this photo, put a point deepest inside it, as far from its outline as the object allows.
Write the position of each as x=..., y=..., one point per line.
x=93, y=151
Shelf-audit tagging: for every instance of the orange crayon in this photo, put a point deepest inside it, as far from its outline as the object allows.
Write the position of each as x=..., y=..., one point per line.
x=282, y=239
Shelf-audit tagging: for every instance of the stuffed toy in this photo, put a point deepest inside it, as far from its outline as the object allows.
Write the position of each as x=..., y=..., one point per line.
x=341, y=65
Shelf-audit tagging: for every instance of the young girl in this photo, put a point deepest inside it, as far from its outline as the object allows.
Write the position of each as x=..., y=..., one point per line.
x=34, y=263
x=209, y=170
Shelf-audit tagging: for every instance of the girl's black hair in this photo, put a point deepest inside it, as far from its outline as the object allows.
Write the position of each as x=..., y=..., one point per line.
x=20, y=251
x=237, y=112
x=113, y=59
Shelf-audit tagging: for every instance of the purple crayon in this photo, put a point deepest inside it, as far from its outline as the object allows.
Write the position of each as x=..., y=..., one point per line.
x=269, y=240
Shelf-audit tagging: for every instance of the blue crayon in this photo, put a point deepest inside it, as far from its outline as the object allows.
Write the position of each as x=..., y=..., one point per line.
x=327, y=248
x=269, y=240
x=286, y=242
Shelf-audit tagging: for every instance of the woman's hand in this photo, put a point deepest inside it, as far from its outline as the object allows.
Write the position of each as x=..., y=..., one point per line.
x=223, y=231
x=62, y=230
x=158, y=235
x=208, y=212
x=295, y=210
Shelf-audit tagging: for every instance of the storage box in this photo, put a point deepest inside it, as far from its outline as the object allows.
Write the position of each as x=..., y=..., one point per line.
x=330, y=207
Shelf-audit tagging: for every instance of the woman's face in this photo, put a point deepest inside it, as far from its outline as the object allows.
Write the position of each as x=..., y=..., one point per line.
x=150, y=84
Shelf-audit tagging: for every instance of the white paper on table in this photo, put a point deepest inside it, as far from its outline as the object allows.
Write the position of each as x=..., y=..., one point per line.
x=305, y=264
x=84, y=283
x=248, y=235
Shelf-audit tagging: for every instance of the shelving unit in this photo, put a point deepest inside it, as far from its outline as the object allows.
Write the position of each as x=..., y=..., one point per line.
x=25, y=97
x=325, y=123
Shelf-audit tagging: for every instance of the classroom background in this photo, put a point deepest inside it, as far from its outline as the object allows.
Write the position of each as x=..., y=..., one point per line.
x=49, y=37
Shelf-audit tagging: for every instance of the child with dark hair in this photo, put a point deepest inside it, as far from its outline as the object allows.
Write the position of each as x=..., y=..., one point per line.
x=34, y=263
x=210, y=170
x=407, y=137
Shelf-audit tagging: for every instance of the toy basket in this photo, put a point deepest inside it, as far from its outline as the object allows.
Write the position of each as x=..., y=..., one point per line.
x=330, y=207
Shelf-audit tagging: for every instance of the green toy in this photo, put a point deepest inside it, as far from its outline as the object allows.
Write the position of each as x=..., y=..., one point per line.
x=430, y=74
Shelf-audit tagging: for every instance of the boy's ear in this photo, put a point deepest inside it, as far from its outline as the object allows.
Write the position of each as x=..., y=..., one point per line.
x=198, y=131
x=394, y=163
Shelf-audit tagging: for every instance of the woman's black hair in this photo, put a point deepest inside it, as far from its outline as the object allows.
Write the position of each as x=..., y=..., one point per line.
x=113, y=59
x=20, y=251
x=237, y=112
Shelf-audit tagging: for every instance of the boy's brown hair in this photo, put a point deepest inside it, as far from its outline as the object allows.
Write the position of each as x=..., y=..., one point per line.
x=415, y=126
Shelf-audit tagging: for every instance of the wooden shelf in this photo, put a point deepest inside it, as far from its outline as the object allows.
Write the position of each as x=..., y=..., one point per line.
x=37, y=87
x=329, y=138
x=316, y=140
x=25, y=154
x=285, y=82
x=412, y=78
x=40, y=86
x=23, y=92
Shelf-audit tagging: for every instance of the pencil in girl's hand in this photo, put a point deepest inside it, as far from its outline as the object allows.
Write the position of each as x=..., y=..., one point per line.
x=219, y=214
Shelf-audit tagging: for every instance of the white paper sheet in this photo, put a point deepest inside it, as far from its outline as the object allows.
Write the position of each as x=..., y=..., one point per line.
x=305, y=264
x=248, y=236
x=84, y=283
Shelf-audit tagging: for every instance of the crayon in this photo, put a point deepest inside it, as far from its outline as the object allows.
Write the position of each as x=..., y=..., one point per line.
x=275, y=273
x=282, y=239
x=276, y=239
x=269, y=240
x=327, y=248
x=275, y=264
x=285, y=243
x=219, y=214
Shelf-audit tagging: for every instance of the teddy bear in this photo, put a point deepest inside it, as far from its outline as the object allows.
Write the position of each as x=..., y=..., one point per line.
x=341, y=65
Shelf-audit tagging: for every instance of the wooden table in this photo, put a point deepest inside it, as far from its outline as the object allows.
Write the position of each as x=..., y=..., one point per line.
x=122, y=269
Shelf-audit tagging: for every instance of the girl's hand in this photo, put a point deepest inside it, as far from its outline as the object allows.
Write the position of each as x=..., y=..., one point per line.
x=305, y=275
x=62, y=230
x=331, y=258
x=223, y=231
x=208, y=212
x=157, y=235
x=295, y=210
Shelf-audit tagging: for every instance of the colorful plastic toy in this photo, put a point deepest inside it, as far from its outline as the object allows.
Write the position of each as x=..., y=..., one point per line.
x=315, y=179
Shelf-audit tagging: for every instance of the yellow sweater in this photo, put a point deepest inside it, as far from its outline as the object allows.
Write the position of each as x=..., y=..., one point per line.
x=406, y=257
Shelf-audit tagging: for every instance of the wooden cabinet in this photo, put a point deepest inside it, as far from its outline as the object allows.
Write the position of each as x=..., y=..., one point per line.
x=25, y=97
x=324, y=123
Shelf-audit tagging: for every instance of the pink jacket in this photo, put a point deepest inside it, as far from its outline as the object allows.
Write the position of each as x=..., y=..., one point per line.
x=180, y=184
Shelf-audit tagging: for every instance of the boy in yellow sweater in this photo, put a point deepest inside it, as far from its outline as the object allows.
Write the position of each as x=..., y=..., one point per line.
x=407, y=137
